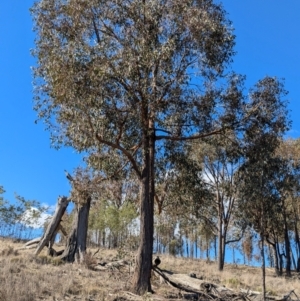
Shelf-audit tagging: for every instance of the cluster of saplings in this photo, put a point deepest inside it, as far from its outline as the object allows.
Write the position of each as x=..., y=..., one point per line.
x=145, y=90
x=19, y=218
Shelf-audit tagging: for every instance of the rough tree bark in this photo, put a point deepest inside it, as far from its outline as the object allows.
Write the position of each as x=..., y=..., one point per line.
x=76, y=242
x=141, y=279
x=49, y=235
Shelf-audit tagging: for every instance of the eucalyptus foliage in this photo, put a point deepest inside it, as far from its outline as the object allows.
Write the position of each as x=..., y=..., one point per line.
x=124, y=80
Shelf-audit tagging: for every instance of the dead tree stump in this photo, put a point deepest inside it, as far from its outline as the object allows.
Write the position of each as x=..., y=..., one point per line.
x=51, y=231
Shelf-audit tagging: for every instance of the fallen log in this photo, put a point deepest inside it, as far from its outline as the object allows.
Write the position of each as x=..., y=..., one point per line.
x=30, y=244
x=196, y=283
x=211, y=291
x=33, y=241
x=181, y=287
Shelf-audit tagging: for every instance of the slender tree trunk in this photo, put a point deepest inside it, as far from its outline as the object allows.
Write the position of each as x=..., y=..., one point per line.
x=207, y=251
x=293, y=259
x=76, y=243
x=192, y=247
x=215, y=246
x=276, y=261
x=279, y=256
x=141, y=279
x=263, y=266
x=297, y=240
x=220, y=247
x=103, y=238
x=181, y=244
x=142, y=273
x=270, y=256
x=287, y=249
x=187, y=245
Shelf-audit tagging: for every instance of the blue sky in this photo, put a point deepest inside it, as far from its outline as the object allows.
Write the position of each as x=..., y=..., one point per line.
x=268, y=43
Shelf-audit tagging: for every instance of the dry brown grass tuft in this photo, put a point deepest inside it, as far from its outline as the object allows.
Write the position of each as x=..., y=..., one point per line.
x=9, y=251
x=89, y=261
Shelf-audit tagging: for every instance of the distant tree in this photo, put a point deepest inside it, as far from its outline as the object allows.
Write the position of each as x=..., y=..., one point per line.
x=220, y=158
x=260, y=175
x=289, y=151
x=19, y=217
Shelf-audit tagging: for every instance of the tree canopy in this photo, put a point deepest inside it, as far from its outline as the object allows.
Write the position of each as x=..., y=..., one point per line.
x=128, y=82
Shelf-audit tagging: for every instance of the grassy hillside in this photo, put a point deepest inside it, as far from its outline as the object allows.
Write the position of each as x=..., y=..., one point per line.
x=24, y=277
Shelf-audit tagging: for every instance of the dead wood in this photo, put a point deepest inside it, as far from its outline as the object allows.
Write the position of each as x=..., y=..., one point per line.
x=211, y=291
x=49, y=235
x=30, y=244
x=96, y=252
x=53, y=253
x=100, y=266
x=181, y=287
x=33, y=241
x=62, y=230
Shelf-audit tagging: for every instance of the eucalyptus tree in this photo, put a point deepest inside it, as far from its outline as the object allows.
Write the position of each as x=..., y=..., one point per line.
x=288, y=152
x=259, y=192
x=220, y=158
x=119, y=80
x=19, y=218
x=120, y=211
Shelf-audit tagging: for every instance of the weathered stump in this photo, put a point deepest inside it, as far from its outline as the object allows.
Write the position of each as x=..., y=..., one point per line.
x=53, y=227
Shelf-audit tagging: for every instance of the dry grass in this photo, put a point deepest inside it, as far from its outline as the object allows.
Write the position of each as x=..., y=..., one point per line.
x=27, y=278
x=233, y=276
x=24, y=277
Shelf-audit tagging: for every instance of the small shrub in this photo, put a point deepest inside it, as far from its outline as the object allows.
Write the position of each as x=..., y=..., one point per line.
x=89, y=261
x=56, y=261
x=271, y=292
x=233, y=282
x=42, y=259
x=122, y=253
x=16, y=260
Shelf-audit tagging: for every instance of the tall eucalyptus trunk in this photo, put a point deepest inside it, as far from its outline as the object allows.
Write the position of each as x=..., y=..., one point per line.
x=142, y=275
x=220, y=247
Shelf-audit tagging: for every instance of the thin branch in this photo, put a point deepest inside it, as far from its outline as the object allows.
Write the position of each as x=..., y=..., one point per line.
x=161, y=130
x=235, y=240
x=96, y=31
x=199, y=136
x=117, y=146
x=123, y=150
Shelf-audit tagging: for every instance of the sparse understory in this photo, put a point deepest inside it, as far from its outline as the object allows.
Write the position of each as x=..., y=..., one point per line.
x=27, y=278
